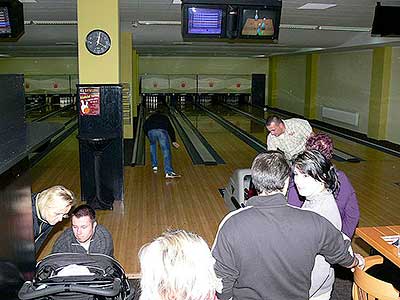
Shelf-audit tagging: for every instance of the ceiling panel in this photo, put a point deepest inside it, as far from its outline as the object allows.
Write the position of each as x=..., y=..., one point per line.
x=167, y=40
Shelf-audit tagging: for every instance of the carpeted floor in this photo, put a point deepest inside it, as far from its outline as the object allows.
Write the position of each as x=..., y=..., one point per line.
x=342, y=289
x=135, y=286
x=343, y=284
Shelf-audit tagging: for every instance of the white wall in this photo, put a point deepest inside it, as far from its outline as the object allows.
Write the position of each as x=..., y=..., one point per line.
x=291, y=80
x=39, y=65
x=202, y=65
x=344, y=81
x=393, y=125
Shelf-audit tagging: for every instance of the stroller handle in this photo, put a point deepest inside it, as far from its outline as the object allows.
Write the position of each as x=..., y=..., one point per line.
x=27, y=291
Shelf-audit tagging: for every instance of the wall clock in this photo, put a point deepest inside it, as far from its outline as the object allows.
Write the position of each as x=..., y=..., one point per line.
x=98, y=42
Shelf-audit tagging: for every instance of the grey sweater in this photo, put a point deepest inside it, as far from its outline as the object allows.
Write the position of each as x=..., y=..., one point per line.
x=323, y=275
x=267, y=250
x=101, y=242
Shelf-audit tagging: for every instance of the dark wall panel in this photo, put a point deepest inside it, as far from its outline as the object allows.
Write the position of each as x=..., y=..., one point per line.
x=258, y=89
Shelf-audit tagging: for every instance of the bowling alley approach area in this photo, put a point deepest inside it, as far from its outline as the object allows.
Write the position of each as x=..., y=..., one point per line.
x=122, y=120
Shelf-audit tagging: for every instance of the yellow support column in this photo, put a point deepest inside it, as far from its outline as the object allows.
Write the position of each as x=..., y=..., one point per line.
x=135, y=91
x=379, y=93
x=310, y=107
x=102, y=15
x=272, y=82
x=126, y=79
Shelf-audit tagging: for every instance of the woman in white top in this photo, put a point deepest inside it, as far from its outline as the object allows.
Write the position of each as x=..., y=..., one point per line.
x=316, y=180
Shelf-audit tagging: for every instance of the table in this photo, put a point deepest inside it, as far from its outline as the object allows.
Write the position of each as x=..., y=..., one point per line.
x=373, y=236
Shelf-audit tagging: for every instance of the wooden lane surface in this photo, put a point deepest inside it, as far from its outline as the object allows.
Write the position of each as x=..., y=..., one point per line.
x=373, y=236
x=152, y=203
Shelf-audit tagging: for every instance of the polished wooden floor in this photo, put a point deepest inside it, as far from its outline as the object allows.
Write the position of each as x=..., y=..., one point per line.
x=153, y=204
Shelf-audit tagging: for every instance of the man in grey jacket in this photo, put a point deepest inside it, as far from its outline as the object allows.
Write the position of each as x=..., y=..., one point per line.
x=85, y=236
x=267, y=249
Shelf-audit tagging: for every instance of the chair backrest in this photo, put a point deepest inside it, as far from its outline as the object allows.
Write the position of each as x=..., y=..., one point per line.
x=367, y=287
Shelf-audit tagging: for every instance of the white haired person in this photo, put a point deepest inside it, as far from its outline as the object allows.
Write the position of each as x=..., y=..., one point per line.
x=178, y=266
x=48, y=208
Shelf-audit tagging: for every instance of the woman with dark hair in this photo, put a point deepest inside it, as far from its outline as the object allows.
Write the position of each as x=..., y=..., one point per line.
x=345, y=196
x=317, y=181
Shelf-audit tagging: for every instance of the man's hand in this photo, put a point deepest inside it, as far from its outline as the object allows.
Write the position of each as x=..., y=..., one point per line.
x=360, y=261
x=175, y=144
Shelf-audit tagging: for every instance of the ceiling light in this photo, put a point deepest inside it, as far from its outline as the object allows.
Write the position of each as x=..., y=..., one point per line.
x=5, y=55
x=50, y=22
x=182, y=43
x=176, y=2
x=259, y=56
x=28, y=1
x=298, y=26
x=316, y=6
x=345, y=28
x=159, y=22
x=323, y=27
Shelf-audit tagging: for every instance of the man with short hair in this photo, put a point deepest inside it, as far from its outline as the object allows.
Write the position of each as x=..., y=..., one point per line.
x=158, y=129
x=289, y=136
x=85, y=235
x=267, y=249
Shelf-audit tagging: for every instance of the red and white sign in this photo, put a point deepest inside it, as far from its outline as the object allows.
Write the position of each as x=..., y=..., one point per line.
x=182, y=84
x=89, y=101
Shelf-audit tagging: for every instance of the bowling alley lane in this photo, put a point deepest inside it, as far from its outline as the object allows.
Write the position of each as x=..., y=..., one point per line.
x=152, y=203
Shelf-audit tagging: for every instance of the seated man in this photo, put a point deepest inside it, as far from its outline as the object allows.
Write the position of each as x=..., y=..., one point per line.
x=85, y=236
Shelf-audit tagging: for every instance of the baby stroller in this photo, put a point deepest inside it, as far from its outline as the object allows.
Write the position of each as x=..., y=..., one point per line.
x=94, y=276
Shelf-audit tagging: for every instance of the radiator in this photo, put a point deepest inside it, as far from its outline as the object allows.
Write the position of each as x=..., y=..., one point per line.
x=340, y=115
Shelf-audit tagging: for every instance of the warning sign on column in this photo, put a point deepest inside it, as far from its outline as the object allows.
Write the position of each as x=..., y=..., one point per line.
x=89, y=101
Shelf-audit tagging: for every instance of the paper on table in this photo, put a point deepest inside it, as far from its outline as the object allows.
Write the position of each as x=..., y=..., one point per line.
x=391, y=239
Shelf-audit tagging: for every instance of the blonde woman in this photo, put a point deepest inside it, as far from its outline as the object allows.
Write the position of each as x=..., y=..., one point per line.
x=178, y=266
x=48, y=208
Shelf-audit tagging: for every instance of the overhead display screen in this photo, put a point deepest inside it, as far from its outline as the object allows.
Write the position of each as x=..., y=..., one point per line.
x=257, y=22
x=207, y=21
x=5, y=26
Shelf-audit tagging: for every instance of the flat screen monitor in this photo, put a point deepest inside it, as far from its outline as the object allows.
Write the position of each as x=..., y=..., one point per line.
x=205, y=21
x=259, y=23
x=386, y=21
x=5, y=26
x=11, y=20
x=202, y=21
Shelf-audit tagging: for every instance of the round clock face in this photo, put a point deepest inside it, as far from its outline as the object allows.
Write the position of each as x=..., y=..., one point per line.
x=98, y=42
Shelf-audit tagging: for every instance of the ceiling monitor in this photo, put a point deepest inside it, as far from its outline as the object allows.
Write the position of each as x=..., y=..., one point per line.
x=203, y=21
x=386, y=21
x=11, y=20
x=237, y=20
x=259, y=22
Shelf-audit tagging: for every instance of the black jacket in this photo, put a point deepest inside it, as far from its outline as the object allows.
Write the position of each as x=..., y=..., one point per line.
x=158, y=120
x=41, y=229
